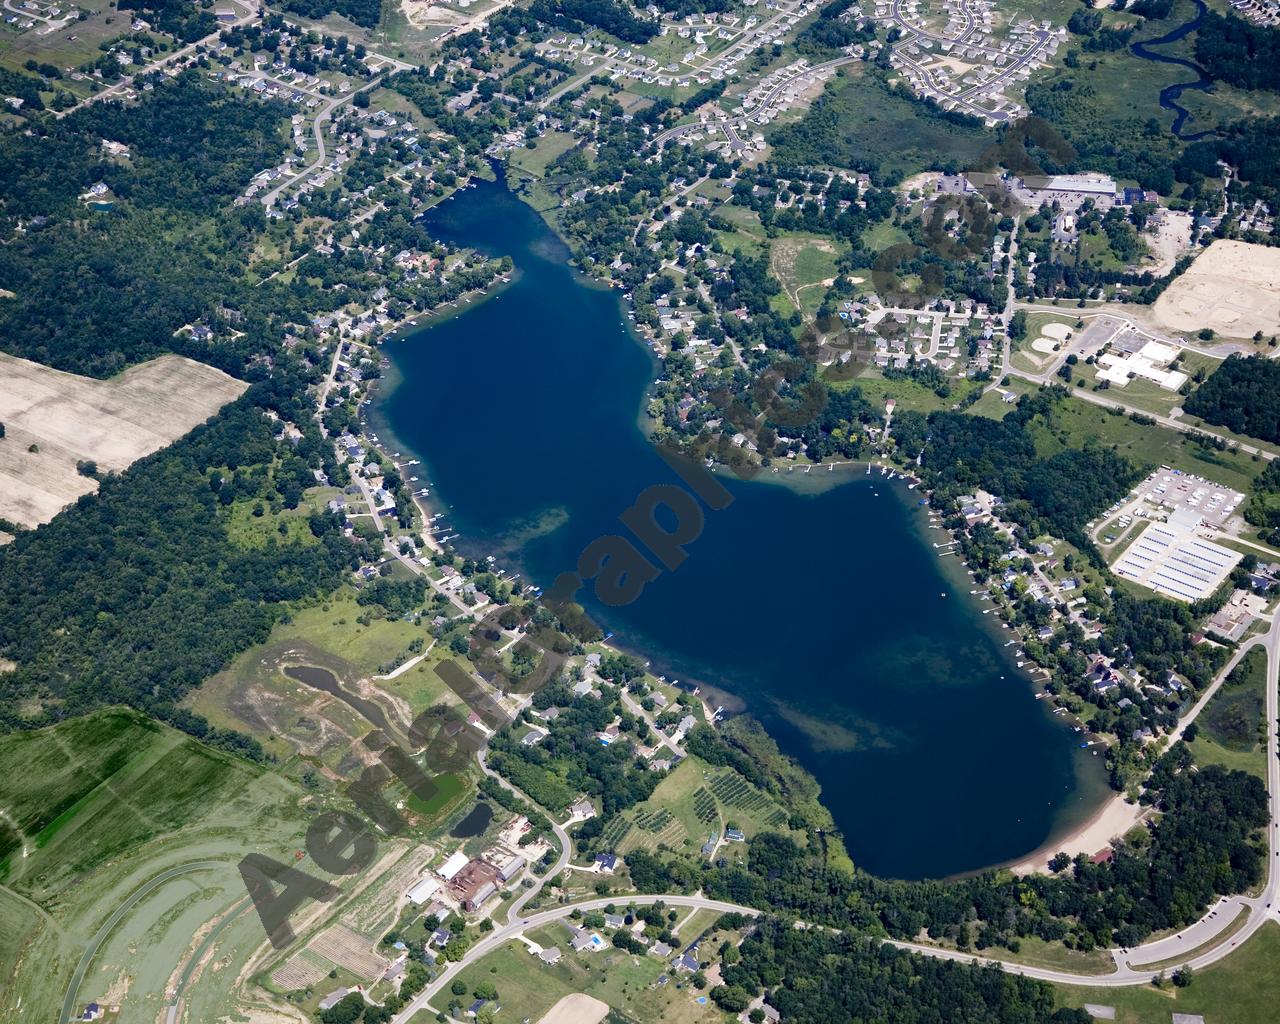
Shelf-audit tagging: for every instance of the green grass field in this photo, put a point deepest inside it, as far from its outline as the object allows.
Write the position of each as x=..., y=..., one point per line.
x=910, y=395
x=901, y=135
x=528, y=988
x=1242, y=989
x=1230, y=724
x=1148, y=445
x=103, y=807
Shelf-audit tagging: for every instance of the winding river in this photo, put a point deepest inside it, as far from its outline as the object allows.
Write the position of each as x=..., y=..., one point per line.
x=824, y=609
x=1170, y=94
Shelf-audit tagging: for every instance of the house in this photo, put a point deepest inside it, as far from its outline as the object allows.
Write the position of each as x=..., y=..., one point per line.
x=335, y=997
x=551, y=955
x=734, y=835
x=440, y=937
x=615, y=921
x=475, y=1007
x=584, y=941
x=533, y=737
x=660, y=949
x=91, y=1012
x=687, y=961
x=583, y=809
x=606, y=863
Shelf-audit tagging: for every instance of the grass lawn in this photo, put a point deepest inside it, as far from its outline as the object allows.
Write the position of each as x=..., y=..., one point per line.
x=911, y=395
x=527, y=988
x=882, y=234
x=1242, y=989
x=535, y=161
x=1077, y=421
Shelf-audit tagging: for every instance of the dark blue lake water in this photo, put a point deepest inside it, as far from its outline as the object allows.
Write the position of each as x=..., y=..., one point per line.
x=825, y=610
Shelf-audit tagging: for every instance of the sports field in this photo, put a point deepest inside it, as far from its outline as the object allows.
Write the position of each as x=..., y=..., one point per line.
x=56, y=421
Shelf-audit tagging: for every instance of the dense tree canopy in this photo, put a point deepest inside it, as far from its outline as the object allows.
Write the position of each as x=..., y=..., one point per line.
x=1243, y=395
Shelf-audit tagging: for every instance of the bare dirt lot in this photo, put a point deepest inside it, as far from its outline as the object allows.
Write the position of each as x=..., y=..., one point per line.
x=576, y=1009
x=54, y=420
x=1233, y=288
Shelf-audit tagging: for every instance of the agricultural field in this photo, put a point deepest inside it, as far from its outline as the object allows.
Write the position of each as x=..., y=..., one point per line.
x=691, y=803
x=128, y=831
x=56, y=423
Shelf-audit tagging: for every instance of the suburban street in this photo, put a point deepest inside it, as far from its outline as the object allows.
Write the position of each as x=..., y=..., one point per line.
x=118, y=88
x=766, y=103
x=317, y=128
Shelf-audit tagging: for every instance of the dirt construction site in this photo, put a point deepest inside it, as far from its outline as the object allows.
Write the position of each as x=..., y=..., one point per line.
x=1232, y=288
x=56, y=421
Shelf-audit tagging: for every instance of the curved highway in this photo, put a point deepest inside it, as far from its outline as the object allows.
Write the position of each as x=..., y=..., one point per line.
x=73, y=989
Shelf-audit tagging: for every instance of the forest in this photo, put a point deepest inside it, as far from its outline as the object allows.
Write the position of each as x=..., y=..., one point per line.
x=97, y=291
x=813, y=977
x=1239, y=53
x=613, y=16
x=365, y=13
x=1243, y=395
x=1055, y=495
x=142, y=595
x=182, y=19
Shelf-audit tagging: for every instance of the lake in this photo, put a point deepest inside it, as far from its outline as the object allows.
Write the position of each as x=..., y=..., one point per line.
x=825, y=610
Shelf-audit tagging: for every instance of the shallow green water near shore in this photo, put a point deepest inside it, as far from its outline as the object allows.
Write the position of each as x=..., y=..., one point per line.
x=826, y=611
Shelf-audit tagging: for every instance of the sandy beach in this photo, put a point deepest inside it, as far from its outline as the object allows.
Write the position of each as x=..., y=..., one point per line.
x=1113, y=819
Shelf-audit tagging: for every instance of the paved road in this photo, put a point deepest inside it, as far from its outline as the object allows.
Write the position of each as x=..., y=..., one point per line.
x=251, y=14
x=741, y=120
x=1130, y=969
x=317, y=128
x=914, y=33
x=73, y=990
x=1173, y=423
x=566, y=845
x=506, y=933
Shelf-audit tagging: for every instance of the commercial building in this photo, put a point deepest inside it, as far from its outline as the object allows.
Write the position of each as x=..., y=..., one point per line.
x=1171, y=559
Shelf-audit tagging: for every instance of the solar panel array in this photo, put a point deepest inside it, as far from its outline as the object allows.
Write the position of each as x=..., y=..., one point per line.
x=1176, y=563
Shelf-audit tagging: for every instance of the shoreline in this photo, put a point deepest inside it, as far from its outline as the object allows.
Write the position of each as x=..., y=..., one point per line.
x=1112, y=818
x=807, y=479
x=1115, y=818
